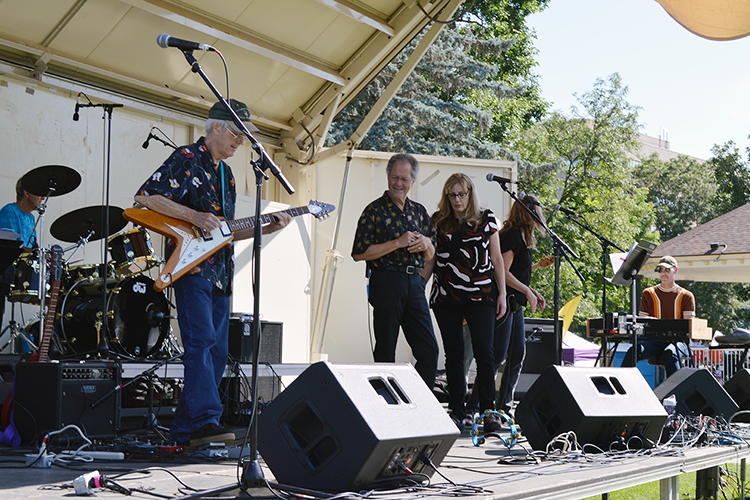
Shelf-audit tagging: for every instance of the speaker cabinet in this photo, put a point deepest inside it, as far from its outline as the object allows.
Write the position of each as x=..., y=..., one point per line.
x=738, y=388
x=241, y=339
x=49, y=396
x=697, y=393
x=347, y=427
x=543, y=348
x=241, y=349
x=601, y=405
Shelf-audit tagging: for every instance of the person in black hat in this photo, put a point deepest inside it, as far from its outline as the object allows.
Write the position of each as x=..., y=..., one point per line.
x=195, y=185
x=667, y=300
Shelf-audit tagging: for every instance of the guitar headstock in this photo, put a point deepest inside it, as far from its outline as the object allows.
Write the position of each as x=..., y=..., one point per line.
x=546, y=261
x=56, y=262
x=319, y=209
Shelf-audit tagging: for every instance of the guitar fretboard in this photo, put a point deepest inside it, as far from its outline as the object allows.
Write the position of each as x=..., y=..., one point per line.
x=249, y=222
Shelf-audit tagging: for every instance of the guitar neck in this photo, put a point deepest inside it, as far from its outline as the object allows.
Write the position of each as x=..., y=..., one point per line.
x=249, y=222
x=49, y=320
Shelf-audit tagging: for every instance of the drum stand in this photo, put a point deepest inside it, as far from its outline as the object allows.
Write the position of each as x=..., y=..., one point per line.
x=15, y=332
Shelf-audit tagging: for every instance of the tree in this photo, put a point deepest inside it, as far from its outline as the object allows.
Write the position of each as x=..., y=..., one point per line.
x=732, y=177
x=681, y=190
x=588, y=171
x=469, y=81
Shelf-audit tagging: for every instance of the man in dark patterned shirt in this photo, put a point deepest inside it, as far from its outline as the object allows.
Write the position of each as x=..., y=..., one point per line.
x=195, y=185
x=395, y=236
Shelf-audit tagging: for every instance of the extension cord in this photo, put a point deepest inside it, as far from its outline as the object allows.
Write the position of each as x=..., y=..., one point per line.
x=96, y=455
x=43, y=462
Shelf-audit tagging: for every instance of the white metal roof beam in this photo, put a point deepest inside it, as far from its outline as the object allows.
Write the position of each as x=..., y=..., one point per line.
x=359, y=14
x=216, y=27
x=377, y=109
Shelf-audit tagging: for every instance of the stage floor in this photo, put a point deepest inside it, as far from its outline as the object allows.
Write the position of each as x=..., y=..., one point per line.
x=489, y=471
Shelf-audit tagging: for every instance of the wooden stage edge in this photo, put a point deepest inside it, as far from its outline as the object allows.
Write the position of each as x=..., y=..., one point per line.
x=584, y=477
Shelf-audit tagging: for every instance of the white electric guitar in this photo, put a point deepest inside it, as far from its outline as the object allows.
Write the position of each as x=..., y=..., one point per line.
x=194, y=245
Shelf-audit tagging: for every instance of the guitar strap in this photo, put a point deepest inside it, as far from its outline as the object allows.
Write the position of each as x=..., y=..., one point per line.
x=223, y=197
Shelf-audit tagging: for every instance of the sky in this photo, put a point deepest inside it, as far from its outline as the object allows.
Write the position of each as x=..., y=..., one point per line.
x=693, y=92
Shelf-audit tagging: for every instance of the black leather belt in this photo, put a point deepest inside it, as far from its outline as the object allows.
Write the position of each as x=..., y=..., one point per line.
x=403, y=269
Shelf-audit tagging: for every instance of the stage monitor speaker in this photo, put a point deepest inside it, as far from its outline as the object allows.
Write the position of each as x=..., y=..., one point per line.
x=348, y=427
x=697, y=393
x=49, y=396
x=601, y=405
x=738, y=388
x=543, y=349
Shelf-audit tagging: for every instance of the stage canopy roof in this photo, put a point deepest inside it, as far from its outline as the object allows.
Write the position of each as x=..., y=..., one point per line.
x=295, y=63
x=712, y=19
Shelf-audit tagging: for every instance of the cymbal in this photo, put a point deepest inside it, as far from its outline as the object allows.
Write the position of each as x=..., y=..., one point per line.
x=77, y=224
x=59, y=178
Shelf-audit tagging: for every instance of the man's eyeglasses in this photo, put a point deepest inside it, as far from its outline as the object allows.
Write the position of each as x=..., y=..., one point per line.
x=663, y=269
x=404, y=180
x=237, y=137
x=460, y=196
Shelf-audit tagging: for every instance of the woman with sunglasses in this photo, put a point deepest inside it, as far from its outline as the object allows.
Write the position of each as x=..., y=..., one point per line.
x=468, y=284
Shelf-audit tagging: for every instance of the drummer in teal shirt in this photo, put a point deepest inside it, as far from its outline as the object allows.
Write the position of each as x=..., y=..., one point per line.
x=17, y=218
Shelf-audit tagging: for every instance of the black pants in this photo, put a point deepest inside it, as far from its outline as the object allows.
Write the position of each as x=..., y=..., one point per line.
x=481, y=322
x=398, y=300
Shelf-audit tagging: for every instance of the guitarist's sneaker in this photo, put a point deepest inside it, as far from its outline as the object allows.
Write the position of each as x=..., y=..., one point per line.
x=210, y=433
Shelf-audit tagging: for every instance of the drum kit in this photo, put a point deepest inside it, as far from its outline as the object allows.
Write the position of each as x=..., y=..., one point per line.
x=111, y=304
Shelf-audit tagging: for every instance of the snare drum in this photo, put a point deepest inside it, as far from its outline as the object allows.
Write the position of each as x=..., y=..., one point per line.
x=25, y=286
x=132, y=328
x=132, y=253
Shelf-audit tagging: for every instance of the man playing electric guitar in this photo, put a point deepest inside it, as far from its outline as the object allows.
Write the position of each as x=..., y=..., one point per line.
x=195, y=185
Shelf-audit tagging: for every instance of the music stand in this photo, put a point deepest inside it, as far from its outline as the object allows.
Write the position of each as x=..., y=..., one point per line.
x=9, y=252
x=626, y=275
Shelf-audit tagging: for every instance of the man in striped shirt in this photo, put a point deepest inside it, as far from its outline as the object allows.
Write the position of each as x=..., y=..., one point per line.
x=667, y=300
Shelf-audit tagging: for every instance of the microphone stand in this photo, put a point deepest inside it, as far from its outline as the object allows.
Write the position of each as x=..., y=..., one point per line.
x=252, y=474
x=561, y=250
x=605, y=243
x=102, y=344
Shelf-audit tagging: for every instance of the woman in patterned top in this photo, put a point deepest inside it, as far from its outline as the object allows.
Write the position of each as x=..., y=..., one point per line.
x=468, y=284
x=516, y=239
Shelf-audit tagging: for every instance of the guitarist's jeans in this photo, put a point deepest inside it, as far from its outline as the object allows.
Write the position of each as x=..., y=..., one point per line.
x=203, y=316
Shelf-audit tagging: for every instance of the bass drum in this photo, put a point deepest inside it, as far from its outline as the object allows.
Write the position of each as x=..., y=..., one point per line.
x=136, y=324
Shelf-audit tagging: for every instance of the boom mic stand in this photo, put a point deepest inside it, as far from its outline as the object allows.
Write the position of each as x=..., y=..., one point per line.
x=561, y=250
x=605, y=243
x=252, y=474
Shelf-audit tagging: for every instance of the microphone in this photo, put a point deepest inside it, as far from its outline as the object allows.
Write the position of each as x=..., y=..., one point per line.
x=531, y=201
x=567, y=211
x=78, y=106
x=165, y=41
x=497, y=178
x=145, y=143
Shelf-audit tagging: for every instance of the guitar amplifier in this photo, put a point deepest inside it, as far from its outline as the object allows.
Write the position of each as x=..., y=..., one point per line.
x=241, y=349
x=50, y=396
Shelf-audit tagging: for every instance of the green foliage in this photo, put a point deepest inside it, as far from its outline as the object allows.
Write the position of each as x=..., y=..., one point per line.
x=588, y=170
x=681, y=190
x=473, y=86
x=732, y=176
